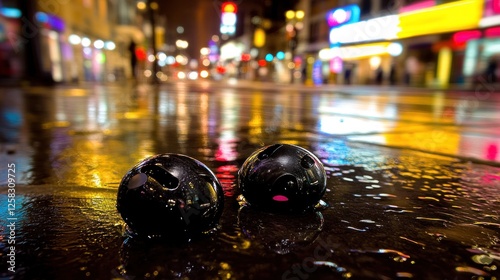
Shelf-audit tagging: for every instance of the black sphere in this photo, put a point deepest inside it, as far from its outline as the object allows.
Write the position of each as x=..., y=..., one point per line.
x=170, y=195
x=282, y=178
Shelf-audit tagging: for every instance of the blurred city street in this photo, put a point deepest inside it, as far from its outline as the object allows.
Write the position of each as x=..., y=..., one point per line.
x=399, y=100
x=413, y=179
x=68, y=121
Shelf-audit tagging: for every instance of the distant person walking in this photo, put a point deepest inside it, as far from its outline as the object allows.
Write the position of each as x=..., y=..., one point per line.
x=133, y=58
x=347, y=75
x=491, y=70
x=392, y=75
x=379, y=75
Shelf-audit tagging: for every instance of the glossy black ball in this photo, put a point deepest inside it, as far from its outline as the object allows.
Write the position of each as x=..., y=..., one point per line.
x=170, y=195
x=282, y=178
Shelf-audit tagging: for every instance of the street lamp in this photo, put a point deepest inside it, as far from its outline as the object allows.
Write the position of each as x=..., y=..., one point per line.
x=181, y=57
x=181, y=44
x=293, y=25
x=152, y=8
x=141, y=5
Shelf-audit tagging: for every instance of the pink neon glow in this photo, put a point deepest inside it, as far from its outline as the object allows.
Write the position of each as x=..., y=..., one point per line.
x=280, y=198
x=418, y=6
x=495, y=6
x=491, y=152
x=492, y=32
x=464, y=36
x=340, y=16
x=336, y=64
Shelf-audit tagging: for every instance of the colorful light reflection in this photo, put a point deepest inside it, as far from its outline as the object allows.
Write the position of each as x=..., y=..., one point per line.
x=50, y=21
x=344, y=15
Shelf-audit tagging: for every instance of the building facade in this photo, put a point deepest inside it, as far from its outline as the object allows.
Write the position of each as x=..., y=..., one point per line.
x=68, y=41
x=421, y=43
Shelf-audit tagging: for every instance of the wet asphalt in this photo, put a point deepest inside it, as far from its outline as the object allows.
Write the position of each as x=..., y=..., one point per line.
x=413, y=180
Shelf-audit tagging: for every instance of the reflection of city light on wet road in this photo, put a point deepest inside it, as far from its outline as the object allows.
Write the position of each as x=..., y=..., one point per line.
x=392, y=158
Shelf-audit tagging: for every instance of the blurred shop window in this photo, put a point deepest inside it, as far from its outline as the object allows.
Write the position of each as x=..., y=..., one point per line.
x=445, y=1
x=366, y=7
x=315, y=2
x=388, y=5
x=314, y=32
x=410, y=2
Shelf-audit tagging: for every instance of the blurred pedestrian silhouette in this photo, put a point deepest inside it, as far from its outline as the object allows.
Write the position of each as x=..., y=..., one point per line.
x=392, y=75
x=347, y=75
x=133, y=58
x=379, y=75
x=491, y=70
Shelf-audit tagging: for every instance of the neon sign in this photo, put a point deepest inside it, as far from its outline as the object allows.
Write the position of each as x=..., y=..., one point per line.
x=466, y=35
x=381, y=28
x=343, y=15
x=448, y=17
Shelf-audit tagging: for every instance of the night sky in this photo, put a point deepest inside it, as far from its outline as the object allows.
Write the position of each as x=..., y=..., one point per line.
x=201, y=18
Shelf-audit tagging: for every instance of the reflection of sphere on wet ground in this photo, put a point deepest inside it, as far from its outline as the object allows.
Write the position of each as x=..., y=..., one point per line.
x=280, y=233
x=143, y=259
x=282, y=178
x=170, y=195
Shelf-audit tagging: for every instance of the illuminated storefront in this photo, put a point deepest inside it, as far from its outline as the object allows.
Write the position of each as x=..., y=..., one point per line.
x=230, y=57
x=10, y=61
x=435, y=37
x=482, y=46
x=367, y=62
x=368, y=58
x=51, y=59
x=326, y=66
x=421, y=34
x=91, y=58
x=479, y=52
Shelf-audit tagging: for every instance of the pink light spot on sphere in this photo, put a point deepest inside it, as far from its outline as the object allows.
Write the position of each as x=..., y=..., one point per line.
x=280, y=198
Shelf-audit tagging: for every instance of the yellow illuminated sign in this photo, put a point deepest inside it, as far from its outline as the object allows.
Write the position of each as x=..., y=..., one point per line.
x=160, y=35
x=449, y=17
x=259, y=38
x=361, y=51
x=444, y=66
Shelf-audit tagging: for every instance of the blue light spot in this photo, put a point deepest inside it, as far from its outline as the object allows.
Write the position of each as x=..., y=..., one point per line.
x=280, y=55
x=11, y=118
x=10, y=12
x=42, y=17
x=269, y=57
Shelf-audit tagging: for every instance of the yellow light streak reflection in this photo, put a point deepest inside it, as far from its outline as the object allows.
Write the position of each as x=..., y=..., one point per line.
x=49, y=125
x=87, y=164
x=255, y=123
x=204, y=118
x=433, y=135
x=75, y=92
x=183, y=116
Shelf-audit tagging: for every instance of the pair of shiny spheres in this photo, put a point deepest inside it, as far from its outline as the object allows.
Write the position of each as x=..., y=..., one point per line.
x=175, y=195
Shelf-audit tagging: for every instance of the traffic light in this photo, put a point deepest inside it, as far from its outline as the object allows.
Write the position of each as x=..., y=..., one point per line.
x=228, y=18
x=229, y=7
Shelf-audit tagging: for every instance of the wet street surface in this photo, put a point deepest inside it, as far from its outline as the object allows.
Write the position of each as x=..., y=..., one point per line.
x=413, y=181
